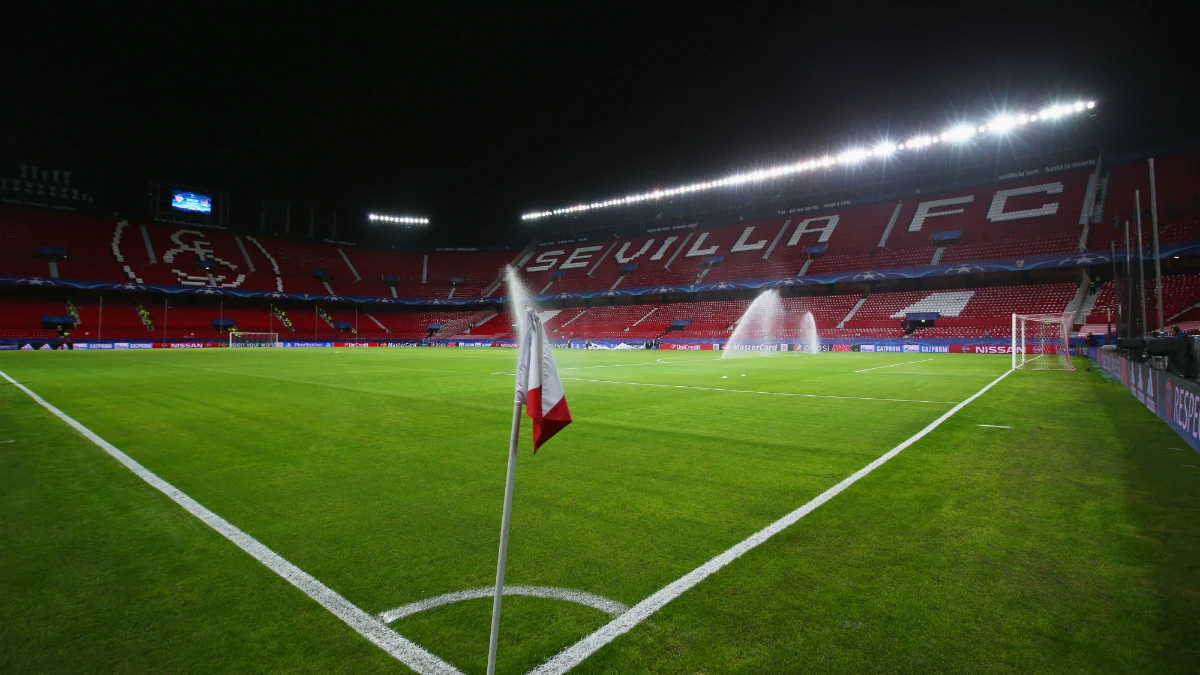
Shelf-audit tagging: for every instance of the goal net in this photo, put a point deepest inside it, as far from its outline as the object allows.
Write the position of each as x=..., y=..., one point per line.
x=1041, y=341
x=239, y=339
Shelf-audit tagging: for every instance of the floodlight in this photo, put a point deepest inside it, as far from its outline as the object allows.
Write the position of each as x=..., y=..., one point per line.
x=1002, y=123
x=958, y=133
x=404, y=220
x=852, y=156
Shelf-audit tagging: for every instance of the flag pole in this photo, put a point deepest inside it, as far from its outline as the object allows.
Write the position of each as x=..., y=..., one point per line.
x=504, y=521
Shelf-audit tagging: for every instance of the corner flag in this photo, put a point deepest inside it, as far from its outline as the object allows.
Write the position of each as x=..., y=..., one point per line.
x=541, y=392
x=538, y=386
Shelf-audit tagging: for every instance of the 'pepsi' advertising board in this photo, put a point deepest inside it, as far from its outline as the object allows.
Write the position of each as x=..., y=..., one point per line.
x=191, y=201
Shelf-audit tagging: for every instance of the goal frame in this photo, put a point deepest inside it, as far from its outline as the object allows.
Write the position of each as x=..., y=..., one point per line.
x=1060, y=323
x=272, y=339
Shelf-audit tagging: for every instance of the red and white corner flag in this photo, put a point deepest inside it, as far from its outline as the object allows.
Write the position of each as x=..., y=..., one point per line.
x=538, y=386
x=541, y=392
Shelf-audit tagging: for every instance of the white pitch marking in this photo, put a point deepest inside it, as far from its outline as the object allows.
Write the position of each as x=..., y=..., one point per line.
x=1184, y=449
x=407, y=652
x=892, y=365
x=12, y=441
x=580, y=597
x=643, y=363
x=993, y=426
x=576, y=653
x=764, y=393
x=615, y=365
x=917, y=372
x=1194, y=466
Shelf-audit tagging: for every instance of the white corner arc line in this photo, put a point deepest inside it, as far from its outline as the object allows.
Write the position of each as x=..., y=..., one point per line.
x=407, y=652
x=751, y=391
x=892, y=365
x=993, y=426
x=576, y=653
x=580, y=597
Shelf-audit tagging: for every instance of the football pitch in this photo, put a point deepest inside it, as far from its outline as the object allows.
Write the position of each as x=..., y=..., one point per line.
x=787, y=513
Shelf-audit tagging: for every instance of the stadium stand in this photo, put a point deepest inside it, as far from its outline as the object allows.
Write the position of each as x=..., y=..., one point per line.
x=1001, y=221
x=1177, y=183
x=1009, y=219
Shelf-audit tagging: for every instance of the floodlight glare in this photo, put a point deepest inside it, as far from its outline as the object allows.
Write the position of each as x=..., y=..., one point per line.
x=852, y=156
x=958, y=133
x=1000, y=124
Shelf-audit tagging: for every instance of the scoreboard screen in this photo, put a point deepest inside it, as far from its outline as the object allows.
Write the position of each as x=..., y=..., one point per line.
x=191, y=201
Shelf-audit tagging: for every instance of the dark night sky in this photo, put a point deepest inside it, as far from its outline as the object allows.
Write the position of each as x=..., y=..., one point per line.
x=472, y=118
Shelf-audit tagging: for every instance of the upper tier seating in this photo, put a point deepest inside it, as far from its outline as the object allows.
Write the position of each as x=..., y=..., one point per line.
x=1003, y=221
x=1177, y=184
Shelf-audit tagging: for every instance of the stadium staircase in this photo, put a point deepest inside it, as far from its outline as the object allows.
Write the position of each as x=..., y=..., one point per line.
x=143, y=315
x=283, y=318
x=853, y=310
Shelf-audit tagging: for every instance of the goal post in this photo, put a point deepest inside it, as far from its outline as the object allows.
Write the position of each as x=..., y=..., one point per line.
x=1042, y=341
x=243, y=339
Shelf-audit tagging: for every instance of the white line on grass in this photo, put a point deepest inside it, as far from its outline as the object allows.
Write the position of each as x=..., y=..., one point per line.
x=580, y=597
x=10, y=441
x=576, y=653
x=893, y=365
x=617, y=365
x=917, y=372
x=657, y=362
x=993, y=426
x=751, y=391
x=406, y=651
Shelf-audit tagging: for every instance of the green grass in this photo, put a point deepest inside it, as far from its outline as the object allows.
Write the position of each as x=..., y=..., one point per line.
x=1069, y=543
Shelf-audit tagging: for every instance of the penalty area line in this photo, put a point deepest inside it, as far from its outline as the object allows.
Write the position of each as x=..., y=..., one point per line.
x=407, y=652
x=576, y=653
x=751, y=391
x=893, y=365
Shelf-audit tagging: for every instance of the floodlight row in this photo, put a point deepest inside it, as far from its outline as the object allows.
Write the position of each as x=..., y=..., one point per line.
x=406, y=220
x=960, y=133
